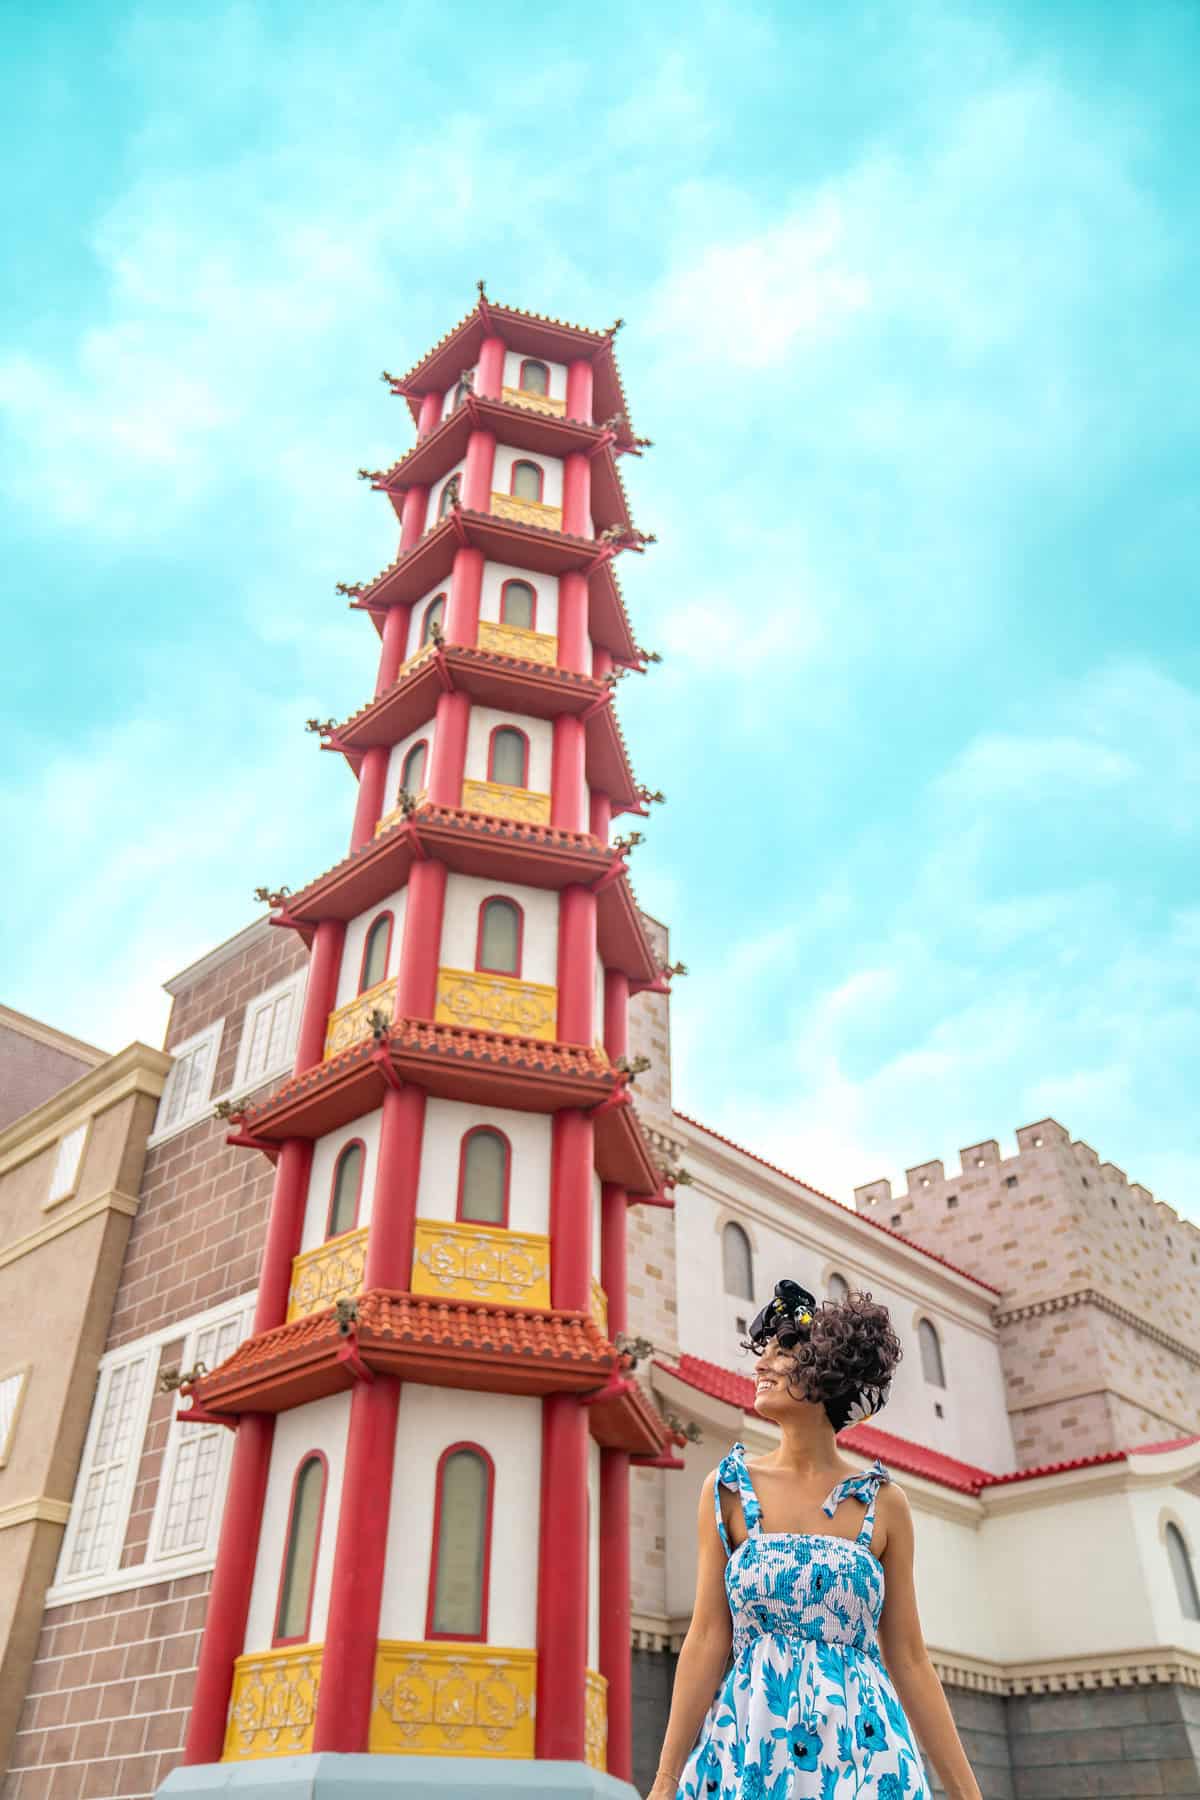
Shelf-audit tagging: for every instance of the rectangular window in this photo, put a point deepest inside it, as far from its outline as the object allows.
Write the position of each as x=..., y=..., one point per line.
x=269, y=1033
x=189, y=1083
x=12, y=1392
x=191, y=1482
x=66, y=1165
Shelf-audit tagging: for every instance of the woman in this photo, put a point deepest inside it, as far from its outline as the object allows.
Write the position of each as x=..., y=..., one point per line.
x=794, y=1549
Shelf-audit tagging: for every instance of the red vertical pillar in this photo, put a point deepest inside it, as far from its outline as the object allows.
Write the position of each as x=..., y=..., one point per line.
x=477, y=471
x=577, y=495
x=602, y=663
x=600, y=815
x=466, y=587
x=448, y=761
x=412, y=516
x=574, y=651
x=562, y=1608
x=568, y=781
x=394, y=1212
x=416, y=983
x=615, y=1621
x=572, y=1160
x=395, y=642
x=489, y=374
x=576, y=966
x=430, y=415
x=324, y=965
x=368, y=809
x=580, y=382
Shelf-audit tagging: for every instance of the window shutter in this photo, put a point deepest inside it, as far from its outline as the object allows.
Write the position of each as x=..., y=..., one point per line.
x=98, y=1514
x=191, y=1480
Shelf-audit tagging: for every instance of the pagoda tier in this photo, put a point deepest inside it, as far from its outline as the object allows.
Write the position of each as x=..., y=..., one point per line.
x=417, y=571
x=524, y=429
x=441, y=1343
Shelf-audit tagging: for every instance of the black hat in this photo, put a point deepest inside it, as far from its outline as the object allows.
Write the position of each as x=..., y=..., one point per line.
x=786, y=1317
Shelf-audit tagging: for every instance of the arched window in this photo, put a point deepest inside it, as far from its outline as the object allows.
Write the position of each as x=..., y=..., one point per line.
x=435, y=614
x=839, y=1287
x=345, y=1189
x=535, y=377
x=462, y=1532
x=498, y=950
x=294, y=1610
x=508, y=757
x=375, y=952
x=483, y=1177
x=738, y=1263
x=449, y=496
x=518, y=604
x=412, y=772
x=931, y=1354
x=526, y=481
x=460, y=394
x=1185, y=1575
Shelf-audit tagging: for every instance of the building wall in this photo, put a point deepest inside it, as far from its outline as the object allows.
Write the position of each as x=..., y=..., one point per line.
x=36, y=1062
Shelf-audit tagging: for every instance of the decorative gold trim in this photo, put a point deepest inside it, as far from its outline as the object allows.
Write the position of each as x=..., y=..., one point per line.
x=527, y=512
x=497, y=1003
x=518, y=640
x=503, y=802
x=350, y=1023
x=274, y=1703
x=451, y=1699
x=595, y=1732
x=535, y=402
x=397, y=813
x=470, y=1261
x=423, y=653
x=599, y=1305
x=333, y=1271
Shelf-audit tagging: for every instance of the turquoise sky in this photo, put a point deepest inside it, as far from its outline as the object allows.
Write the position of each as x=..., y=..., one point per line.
x=910, y=295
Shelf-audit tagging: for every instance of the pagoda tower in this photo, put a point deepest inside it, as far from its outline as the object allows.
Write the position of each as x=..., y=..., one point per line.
x=425, y=1548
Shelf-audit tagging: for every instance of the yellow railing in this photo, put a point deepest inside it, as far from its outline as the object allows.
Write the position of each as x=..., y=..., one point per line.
x=527, y=512
x=595, y=1730
x=473, y=1262
x=419, y=655
x=599, y=1305
x=504, y=802
x=333, y=1271
x=497, y=1003
x=450, y=1699
x=539, y=402
x=397, y=813
x=274, y=1703
x=350, y=1023
x=518, y=640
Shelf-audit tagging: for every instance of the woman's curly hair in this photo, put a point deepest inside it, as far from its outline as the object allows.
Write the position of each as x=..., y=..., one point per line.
x=844, y=1359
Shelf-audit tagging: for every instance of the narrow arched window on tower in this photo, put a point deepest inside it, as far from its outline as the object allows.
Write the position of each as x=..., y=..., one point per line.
x=737, y=1262
x=1183, y=1572
x=300, y=1552
x=412, y=772
x=448, y=496
x=375, y=953
x=535, y=378
x=509, y=759
x=839, y=1287
x=931, y=1354
x=517, y=604
x=435, y=613
x=483, y=1177
x=527, y=481
x=345, y=1190
x=499, y=950
x=462, y=1529
x=460, y=394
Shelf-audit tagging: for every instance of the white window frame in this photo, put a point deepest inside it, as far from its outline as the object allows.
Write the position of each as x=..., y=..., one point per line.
x=179, y=1435
x=210, y=1036
x=68, y=1162
x=243, y=1080
x=145, y=1355
x=20, y=1380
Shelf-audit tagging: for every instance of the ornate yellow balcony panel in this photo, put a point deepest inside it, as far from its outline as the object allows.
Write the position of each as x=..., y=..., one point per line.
x=595, y=1728
x=274, y=1703
x=527, y=512
x=497, y=1003
x=333, y=1271
x=518, y=640
x=539, y=402
x=504, y=802
x=599, y=1305
x=474, y=1262
x=349, y=1023
x=445, y=1699
x=418, y=656
x=397, y=813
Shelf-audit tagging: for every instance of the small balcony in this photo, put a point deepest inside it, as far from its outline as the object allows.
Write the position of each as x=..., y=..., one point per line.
x=397, y=813
x=481, y=1262
x=527, y=512
x=350, y=1023
x=502, y=1003
x=500, y=801
x=536, y=402
x=333, y=1271
x=273, y=1704
x=453, y=1699
x=518, y=640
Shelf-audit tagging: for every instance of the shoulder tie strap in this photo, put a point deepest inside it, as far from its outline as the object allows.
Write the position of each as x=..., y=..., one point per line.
x=864, y=1486
x=733, y=1473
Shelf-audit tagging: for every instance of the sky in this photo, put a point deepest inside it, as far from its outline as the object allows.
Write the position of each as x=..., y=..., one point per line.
x=909, y=293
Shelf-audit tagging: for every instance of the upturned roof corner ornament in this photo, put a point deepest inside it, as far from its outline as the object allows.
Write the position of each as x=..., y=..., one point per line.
x=623, y=845
x=326, y=727
x=353, y=590
x=615, y=327
x=272, y=897
x=675, y=968
x=648, y=656
x=232, y=1109
x=175, y=1380
x=379, y=1022
x=466, y=379
x=481, y=284
x=632, y=1066
x=650, y=796
x=688, y=1433
x=385, y=375
x=406, y=802
x=632, y=1350
x=346, y=1310
x=371, y=474
x=437, y=636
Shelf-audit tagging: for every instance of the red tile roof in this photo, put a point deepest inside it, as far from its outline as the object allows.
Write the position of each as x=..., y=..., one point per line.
x=863, y=1217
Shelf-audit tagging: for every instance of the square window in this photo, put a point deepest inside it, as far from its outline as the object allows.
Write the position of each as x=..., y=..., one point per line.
x=188, y=1086
x=269, y=1032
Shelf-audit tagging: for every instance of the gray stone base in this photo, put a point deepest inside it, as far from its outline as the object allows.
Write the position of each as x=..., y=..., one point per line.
x=330, y=1777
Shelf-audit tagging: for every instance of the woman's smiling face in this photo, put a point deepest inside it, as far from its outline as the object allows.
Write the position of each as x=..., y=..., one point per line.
x=776, y=1367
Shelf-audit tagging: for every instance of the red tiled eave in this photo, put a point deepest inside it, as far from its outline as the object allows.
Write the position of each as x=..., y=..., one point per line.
x=861, y=1217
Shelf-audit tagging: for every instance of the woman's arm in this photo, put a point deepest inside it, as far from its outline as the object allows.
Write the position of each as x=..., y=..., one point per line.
x=703, y=1656
x=902, y=1644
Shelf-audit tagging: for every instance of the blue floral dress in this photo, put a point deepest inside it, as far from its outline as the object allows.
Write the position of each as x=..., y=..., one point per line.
x=808, y=1710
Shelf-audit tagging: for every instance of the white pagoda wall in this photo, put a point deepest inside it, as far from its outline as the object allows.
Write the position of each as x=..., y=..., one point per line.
x=356, y=931
x=540, y=732
x=558, y=373
x=460, y=927
x=545, y=588
x=326, y=1151
x=321, y=1425
x=446, y=1122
